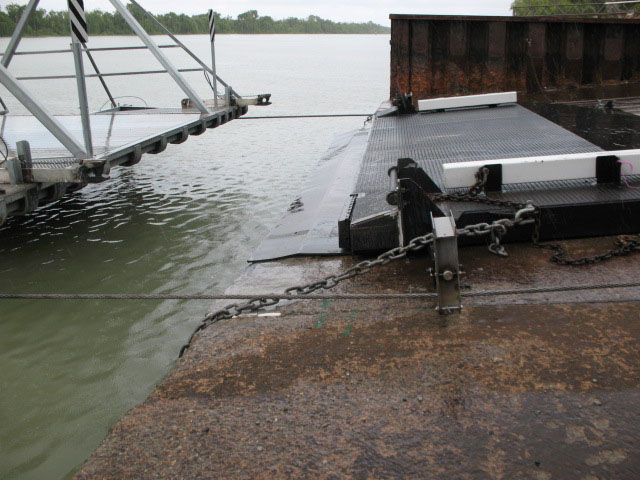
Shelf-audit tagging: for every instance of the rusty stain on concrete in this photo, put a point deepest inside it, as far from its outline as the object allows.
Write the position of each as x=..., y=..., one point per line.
x=542, y=387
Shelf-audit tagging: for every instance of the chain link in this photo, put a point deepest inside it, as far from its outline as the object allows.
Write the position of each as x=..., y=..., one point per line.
x=526, y=214
x=331, y=281
x=625, y=245
x=523, y=216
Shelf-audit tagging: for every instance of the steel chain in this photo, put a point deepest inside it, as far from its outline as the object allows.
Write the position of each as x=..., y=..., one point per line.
x=331, y=281
x=526, y=214
x=626, y=245
x=523, y=216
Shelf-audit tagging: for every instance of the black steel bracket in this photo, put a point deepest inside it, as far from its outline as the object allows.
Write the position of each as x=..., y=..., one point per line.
x=410, y=186
x=608, y=169
x=494, y=179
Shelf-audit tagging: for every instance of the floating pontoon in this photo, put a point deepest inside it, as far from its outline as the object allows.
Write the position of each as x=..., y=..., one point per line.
x=46, y=156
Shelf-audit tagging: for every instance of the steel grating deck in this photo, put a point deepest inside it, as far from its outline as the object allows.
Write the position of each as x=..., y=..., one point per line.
x=455, y=136
x=570, y=208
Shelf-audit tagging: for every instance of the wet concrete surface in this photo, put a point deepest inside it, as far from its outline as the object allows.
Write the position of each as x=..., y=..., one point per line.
x=539, y=386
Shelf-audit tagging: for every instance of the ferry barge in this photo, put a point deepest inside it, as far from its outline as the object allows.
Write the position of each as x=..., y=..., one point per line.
x=537, y=376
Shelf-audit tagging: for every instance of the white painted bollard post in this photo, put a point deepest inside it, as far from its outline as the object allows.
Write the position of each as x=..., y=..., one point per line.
x=78, y=23
x=212, y=36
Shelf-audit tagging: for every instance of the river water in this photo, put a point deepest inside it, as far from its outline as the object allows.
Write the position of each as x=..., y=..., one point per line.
x=183, y=221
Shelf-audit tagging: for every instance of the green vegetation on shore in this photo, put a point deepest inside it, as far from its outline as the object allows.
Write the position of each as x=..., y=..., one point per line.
x=558, y=7
x=54, y=23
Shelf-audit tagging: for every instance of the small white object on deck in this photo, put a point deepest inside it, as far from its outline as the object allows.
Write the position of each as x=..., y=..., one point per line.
x=467, y=101
x=255, y=314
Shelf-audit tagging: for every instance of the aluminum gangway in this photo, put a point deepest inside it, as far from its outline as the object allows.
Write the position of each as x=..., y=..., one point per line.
x=47, y=155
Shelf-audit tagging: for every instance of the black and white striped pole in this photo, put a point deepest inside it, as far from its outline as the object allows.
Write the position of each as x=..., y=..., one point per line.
x=212, y=37
x=79, y=36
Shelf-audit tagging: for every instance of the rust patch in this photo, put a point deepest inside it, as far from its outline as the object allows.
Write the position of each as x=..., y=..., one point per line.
x=517, y=349
x=580, y=54
x=382, y=389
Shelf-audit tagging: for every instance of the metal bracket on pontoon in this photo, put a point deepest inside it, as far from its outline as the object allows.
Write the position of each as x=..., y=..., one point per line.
x=446, y=271
x=261, y=100
x=409, y=186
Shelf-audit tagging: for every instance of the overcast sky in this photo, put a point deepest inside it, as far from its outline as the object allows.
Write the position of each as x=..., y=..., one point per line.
x=343, y=11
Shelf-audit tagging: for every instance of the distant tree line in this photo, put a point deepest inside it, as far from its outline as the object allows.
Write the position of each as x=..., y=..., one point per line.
x=54, y=23
x=576, y=7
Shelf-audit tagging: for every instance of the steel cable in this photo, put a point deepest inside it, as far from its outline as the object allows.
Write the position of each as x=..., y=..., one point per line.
x=316, y=296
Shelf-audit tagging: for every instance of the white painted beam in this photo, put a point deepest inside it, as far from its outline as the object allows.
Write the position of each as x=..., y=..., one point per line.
x=539, y=169
x=467, y=101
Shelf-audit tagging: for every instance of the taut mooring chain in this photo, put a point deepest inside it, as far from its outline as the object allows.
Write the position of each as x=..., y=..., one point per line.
x=331, y=281
x=526, y=214
x=523, y=216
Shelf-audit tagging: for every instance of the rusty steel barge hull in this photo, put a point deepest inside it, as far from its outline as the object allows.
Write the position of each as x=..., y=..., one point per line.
x=538, y=386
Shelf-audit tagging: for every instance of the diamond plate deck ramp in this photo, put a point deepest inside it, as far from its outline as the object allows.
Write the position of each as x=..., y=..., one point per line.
x=310, y=226
x=484, y=134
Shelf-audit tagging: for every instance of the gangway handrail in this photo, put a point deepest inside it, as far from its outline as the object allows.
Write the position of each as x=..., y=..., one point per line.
x=183, y=46
x=80, y=37
x=110, y=74
x=97, y=49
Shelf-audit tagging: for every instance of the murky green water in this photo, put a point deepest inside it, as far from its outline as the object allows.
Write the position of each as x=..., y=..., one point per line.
x=184, y=221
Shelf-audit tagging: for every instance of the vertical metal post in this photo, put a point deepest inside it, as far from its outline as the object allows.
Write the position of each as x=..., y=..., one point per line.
x=181, y=45
x=18, y=32
x=79, y=36
x=23, y=149
x=212, y=36
x=153, y=48
x=82, y=97
x=14, y=170
x=446, y=270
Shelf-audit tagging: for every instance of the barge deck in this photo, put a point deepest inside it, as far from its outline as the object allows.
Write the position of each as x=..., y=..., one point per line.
x=351, y=185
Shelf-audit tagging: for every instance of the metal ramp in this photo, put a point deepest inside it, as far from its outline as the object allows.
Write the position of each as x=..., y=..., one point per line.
x=310, y=225
x=48, y=154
